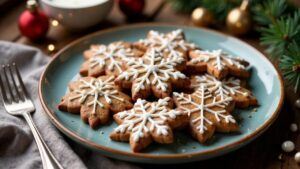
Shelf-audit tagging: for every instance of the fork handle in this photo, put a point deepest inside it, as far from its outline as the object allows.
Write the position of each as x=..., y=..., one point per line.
x=48, y=159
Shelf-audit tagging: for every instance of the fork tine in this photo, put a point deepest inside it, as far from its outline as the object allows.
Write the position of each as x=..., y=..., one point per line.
x=4, y=96
x=12, y=98
x=18, y=97
x=23, y=88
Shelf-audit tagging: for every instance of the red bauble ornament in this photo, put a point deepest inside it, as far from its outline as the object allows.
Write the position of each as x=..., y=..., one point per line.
x=132, y=8
x=33, y=23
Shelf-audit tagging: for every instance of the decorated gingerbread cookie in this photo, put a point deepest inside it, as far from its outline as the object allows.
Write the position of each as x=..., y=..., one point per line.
x=228, y=87
x=153, y=73
x=107, y=60
x=207, y=113
x=147, y=122
x=217, y=63
x=171, y=44
x=94, y=99
x=98, y=48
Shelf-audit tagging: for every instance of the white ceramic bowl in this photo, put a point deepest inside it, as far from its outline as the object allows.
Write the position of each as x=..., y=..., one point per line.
x=78, y=17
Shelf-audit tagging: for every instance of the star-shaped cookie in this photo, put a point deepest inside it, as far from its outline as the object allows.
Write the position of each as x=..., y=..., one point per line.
x=107, y=59
x=228, y=87
x=153, y=73
x=147, y=122
x=94, y=99
x=207, y=114
x=217, y=63
x=171, y=44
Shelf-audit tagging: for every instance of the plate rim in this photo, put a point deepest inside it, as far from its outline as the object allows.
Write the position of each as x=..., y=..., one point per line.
x=91, y=144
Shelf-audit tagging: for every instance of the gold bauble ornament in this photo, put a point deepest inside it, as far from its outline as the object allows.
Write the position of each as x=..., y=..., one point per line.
x=202, y=17
x=238, y=20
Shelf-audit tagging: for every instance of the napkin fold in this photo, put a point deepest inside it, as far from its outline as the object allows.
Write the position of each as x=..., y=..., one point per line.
x=18, y=149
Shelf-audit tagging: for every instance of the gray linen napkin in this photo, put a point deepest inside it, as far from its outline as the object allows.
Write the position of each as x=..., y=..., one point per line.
x=17, y=147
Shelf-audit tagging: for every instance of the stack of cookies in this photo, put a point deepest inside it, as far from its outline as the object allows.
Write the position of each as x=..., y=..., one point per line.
x=156, y=85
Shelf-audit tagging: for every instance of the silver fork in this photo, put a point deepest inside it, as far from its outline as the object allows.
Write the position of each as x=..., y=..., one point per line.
x=18, y=103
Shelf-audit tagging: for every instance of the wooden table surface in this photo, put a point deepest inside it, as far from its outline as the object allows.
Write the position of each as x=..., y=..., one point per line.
x=262, y=153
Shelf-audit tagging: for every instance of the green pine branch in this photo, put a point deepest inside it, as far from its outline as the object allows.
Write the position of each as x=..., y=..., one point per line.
x=281, y=33
x=268, y=11
x=290, y=65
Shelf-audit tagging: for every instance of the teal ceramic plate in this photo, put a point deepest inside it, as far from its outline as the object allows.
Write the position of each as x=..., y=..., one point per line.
x=265, y=81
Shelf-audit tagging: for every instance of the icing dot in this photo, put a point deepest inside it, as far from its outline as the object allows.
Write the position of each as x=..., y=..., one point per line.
x=293, y=127
x=147, y=115
x=297, y=157
x=218, y=83
x=246, y=94
x=201, y=107
x=288, y=146
x=152, y=68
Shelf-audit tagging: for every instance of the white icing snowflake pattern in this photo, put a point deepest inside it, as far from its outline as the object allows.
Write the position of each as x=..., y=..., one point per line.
x=169, y=42
x=146, y=117
x=219, y=59
x=204, y=103
x=152, y=66
x=114, y=53
x=96, y=88
x=222, y=89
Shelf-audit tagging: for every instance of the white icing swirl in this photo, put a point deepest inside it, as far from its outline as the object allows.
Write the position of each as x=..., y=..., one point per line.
x=96, y=88
x=152, y=69
x=203, y=103
x=170, y=42
x=218, y=58
x=110, y=56
x=226, y=88
x=146, y=117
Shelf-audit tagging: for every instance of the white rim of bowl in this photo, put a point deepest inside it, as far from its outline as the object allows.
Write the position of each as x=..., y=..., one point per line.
x=74, y=7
